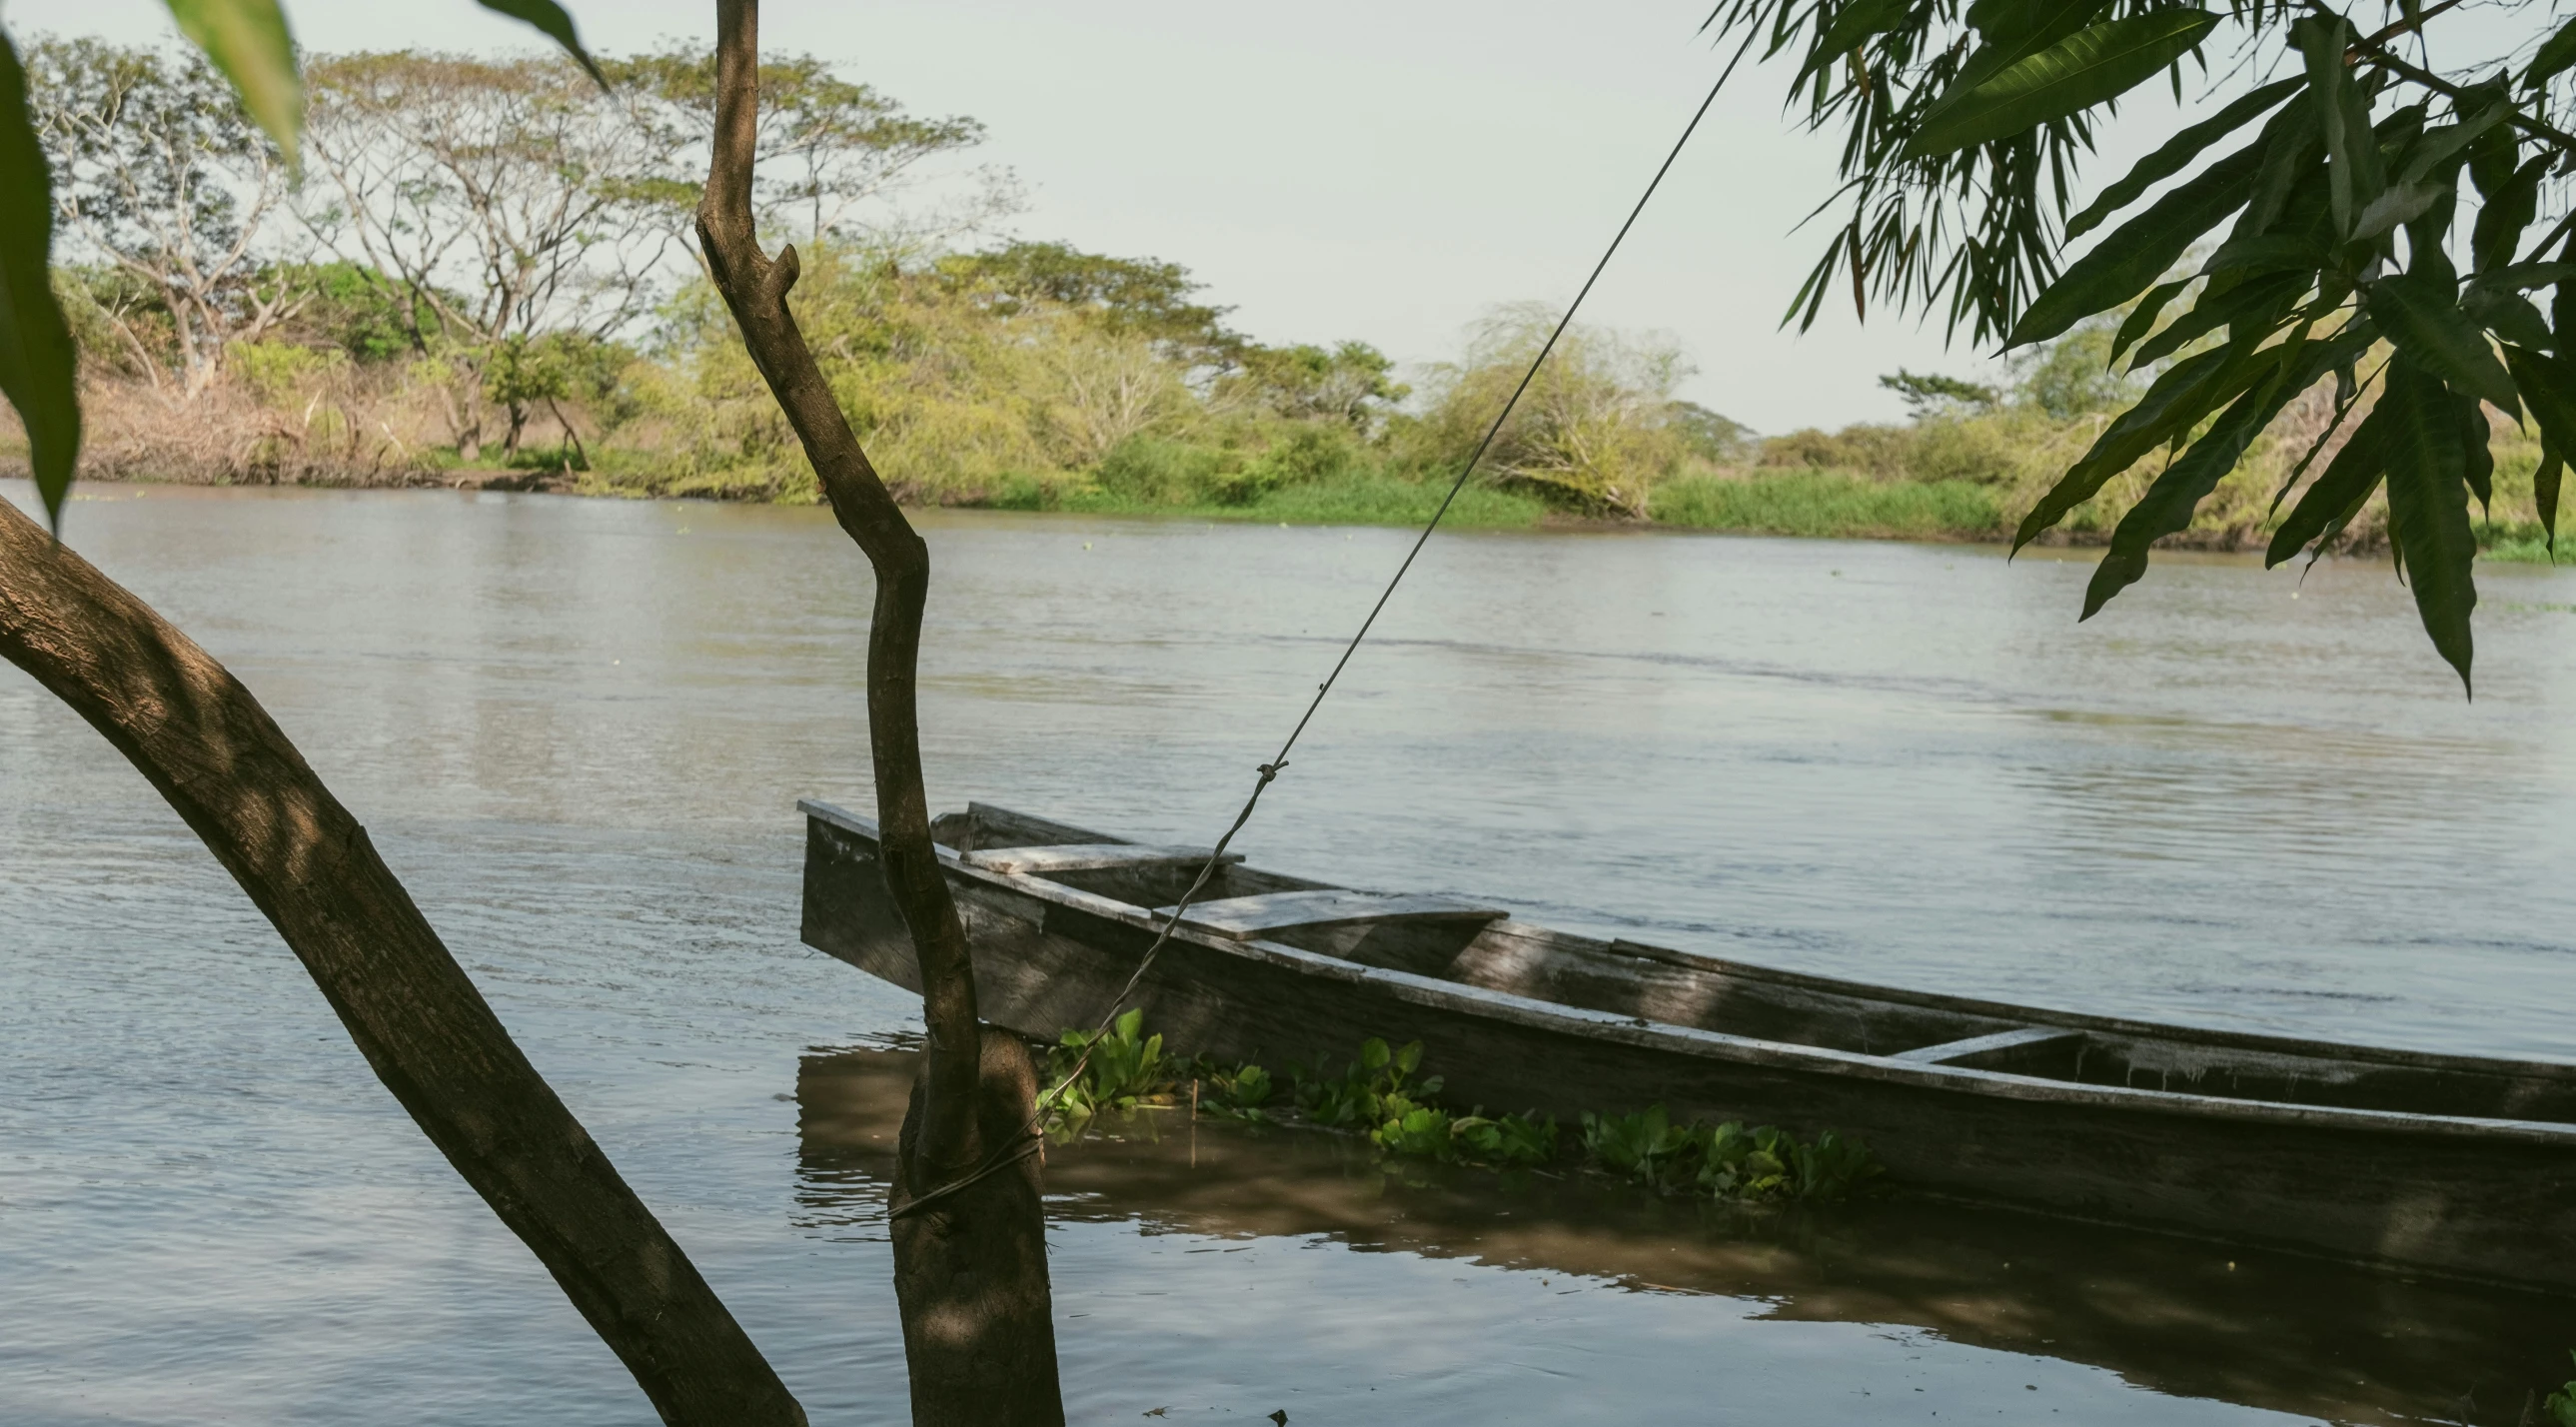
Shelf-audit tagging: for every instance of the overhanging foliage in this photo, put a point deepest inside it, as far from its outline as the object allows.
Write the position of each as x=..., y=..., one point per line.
x=2325, y=198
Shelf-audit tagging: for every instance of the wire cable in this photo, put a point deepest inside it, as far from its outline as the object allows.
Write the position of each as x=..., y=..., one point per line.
x=1269, y=772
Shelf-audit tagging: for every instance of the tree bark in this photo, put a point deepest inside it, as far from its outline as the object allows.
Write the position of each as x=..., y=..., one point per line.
x=970, y=1274
x=974, y=1283
x=231, y=773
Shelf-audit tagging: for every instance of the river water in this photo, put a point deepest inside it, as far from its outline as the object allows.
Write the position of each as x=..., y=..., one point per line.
x=577, y=730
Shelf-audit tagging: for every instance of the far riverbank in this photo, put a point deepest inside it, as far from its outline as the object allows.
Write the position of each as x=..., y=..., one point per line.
x=1806, y=503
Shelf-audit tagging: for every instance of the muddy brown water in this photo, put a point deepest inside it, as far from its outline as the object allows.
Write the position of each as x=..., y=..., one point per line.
x=577, y=729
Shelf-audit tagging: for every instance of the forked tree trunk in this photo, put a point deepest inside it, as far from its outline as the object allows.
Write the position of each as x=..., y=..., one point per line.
x=226, y=767
x=970, y=1266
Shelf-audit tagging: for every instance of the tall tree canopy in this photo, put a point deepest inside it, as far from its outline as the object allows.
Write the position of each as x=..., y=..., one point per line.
x=2306, y=225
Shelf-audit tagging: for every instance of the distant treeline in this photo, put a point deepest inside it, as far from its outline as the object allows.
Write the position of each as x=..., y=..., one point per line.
x=487, y=270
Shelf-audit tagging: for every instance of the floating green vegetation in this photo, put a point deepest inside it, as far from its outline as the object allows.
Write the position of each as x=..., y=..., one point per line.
x=1123, y=1070
x=1728, y=1161
x=2561, y=1406
x=1376, y=1092
x=1380, y=1093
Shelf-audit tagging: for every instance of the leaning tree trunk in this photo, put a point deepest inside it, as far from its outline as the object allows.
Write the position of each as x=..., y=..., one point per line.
x=969, y=1231
x=226, y=767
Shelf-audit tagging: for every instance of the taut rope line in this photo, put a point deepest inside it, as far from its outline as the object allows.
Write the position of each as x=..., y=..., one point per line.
x=1026, y=1143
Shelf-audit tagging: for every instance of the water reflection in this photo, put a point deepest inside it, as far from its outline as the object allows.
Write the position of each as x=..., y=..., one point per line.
x=578, y=730
x=2171, y=1316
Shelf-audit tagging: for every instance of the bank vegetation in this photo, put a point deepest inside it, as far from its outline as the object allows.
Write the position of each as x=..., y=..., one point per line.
x=486, y=274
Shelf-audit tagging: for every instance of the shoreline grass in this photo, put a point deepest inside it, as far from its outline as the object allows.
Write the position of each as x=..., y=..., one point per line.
x=1808, y=504
x=1359, y=499
x=1831, y=505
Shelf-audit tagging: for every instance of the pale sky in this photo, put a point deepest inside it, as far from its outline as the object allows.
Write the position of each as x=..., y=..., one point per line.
x=1382, y=171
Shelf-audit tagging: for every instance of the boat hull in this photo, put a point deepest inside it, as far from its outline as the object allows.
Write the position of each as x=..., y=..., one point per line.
x=2478, y=1199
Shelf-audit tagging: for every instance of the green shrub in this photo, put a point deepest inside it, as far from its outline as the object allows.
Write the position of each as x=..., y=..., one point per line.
x=1829, y=503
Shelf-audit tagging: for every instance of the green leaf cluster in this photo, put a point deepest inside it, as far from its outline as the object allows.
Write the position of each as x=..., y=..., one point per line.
x=1374, y=1086
x=1380, y=1093
x=2561, y=1406
x=1728, y=1161
x=2294, y=236
x=1119, y=1068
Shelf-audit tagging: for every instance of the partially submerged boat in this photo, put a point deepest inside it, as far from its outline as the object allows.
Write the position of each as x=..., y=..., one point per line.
x=2450, y=1165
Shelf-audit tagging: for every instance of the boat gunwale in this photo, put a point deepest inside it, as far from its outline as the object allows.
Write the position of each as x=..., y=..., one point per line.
x=1646, y=1034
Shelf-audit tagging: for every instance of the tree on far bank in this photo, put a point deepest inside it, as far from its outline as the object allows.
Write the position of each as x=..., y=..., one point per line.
x=163, y=183
x=829, y=151
x=494, y=200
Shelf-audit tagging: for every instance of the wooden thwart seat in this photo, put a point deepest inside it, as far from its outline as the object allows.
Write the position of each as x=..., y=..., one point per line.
x=1089, y=857
x=2015, y=1039
x=1243, y=918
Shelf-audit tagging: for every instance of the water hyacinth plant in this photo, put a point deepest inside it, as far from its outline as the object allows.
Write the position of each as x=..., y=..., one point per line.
x=1377, y=1094
x=1120, y=1068
x=1727, y=1161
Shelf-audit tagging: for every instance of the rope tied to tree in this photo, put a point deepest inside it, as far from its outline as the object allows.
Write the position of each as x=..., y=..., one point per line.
x=1028, y=1141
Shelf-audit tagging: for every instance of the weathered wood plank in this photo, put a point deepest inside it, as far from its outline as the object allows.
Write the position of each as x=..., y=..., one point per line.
x=1950, y=1052
x=1242, y=918
x=1090, y=857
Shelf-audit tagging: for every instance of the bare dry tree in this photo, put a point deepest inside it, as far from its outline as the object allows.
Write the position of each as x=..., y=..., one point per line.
x=494, y=199
x=969, y=1224
x=159, y=177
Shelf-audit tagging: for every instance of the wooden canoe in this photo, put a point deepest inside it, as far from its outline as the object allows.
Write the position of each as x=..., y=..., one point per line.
x=2449, y=1165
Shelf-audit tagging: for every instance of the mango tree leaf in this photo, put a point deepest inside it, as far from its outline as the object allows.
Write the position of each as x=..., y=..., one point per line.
x=2428, y=506
x=2345, y=394
x=2498, y=232
x=2177, y=151
x=2189, y=390
x=2544, y=495
x=2013, y=31
x=2138, y=252
x=1856, y=22
x=550, y=18
x=2509, y=315
x=2423, y=318
x=38, y=365
x=2562, y=304
x=2142, y=318
x=2086, y=68
x=2347, y=480
x=2402, y=204
x=2521, y=277
x=2259, y=304
x=2293, y=148
x=2369, y=174
x=2262, y=253
x=2033, y=25
x=2477, y=450
x=2435, y=150
x=2178, y=491
x=2556, y=54
x=248, y=41
x=2548, y=385
x=2322, y=40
